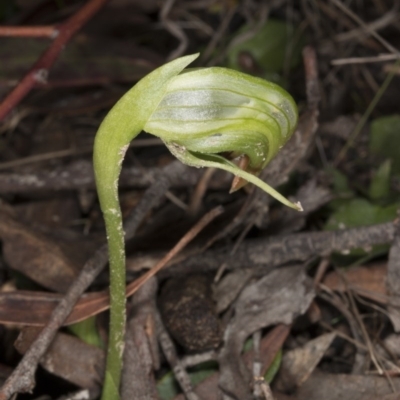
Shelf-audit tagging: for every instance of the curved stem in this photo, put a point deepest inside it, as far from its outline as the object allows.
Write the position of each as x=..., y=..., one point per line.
x=121, y=125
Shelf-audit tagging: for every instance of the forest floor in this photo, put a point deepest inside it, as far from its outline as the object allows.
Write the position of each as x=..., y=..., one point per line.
x=265, y=302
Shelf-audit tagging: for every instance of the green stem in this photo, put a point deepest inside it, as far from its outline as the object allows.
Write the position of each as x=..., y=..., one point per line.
x=121, y=125
x=117, y=311
x=116, y=249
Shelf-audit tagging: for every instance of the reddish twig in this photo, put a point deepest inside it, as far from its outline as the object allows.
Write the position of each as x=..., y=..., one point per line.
x=29, y=31
x=39, y=71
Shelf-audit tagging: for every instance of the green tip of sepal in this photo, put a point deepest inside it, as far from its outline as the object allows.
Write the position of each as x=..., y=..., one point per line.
x=216, y=161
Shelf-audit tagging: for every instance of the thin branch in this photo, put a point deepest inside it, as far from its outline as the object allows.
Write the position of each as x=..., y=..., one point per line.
x=365, y=60
x=363, y=120
x=178, y=368
x=267, y=254
x=29, y=31
x=366, y=27
x=40, y=70
x=78, y=175
x=70, y=152
x=174, y=29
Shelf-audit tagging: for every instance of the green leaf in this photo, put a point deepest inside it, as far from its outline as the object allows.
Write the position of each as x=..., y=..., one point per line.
x=87, y=331
x=356, y=213
x=168, y=388
x=385, y=140
x=270, y=46
x=274, y=368
x=202, y=371
x=341, y=188
x=340, y=182
x=360, y=212
x=8, y=9
x=379, y=188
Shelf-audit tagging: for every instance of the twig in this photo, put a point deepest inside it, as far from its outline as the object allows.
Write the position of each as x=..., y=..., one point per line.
x=312, y=84
x=367, y=28
x=266, y=390
x=367, y=339
x=140, y=357
x=238, y=242
x=321, y=270
x=169, y=351
x=79, y=175
x=365, y=116
x=349, y=339
x=70, y=152
x=199, y=192
x=267, y=254
x=40, y=70
x=199, y=358
x=332, y=298
x=174, y=29
x=194, y=231
x=365, y=60
x=257, y=364
x=256, y=25
x=219, y=33
x=29, y=31
x=373, y=26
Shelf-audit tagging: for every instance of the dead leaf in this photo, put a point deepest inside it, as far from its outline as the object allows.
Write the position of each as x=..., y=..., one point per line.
x=35, y=255
x=69, y=358
x=299, y=364
x=393, y=283
x=368, y=281
x=227, y=290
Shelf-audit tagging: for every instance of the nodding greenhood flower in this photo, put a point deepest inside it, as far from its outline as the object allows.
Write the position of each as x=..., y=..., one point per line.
x=207, y=117
x=210, y=111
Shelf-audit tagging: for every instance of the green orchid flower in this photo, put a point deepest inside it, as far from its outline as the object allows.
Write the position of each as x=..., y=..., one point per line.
x=209, y=117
